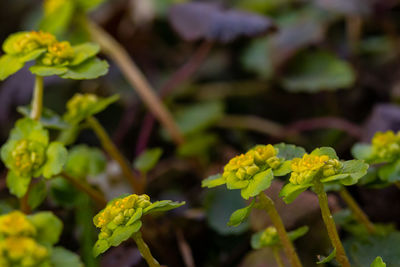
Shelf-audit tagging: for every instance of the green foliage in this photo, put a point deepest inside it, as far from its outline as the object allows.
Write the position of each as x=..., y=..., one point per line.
x=317, y=71
x=49, y=118
x=28, y=153
x=82, y=106
x=37, y=194
x=51, y=57
x=269, y=237
x=241, y=214
x=61, y=257
x=378, y=262
x=121, y=219
x=330, y=257
x=147, y=159
x=83, y=161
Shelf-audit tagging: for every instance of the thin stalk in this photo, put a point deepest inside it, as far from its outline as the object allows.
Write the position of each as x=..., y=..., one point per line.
x=268, y=205
x=341, y=256
x=359, y=214
x=87, y=189
x=277, y=257
x=144, y=250
x=37, y=101
x=36, y=112
x=112, y=150
x=136, y=78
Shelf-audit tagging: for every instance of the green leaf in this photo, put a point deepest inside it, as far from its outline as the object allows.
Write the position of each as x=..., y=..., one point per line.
x=356, y=170
x=241, y=214
x=100, y=247
x=6, y=153
x=45, y=71
x=83, y=161
x=48, y=227
x=362, y=151
x=299, y=232
x=31, y=55
x=89, y=4
x=16, y=184
x=283, y=169
x=89, y=69
x=312, y=72
x=49, y=118
x=325, y=151
x=163, y=205
x=84, y=52
x=329, y=258
x=256, y=243
x=57, y=156
x=289, y=152
x=378, y=262
x=198, y=117
x=59, y=19
x=102, y=104
x=136, y=216
x=258, y=183
x=390, y=172
x=198, y=145
x=213, y=181
x=37, y=194
x=363, y=251
x=8, y=45
x=147, y=159
x=61, y=257
x=9, y=65
x=233, y=182
x=290, y=191
x=220, y=203
x=256, y=58
x=27, y=128
x=122, y=233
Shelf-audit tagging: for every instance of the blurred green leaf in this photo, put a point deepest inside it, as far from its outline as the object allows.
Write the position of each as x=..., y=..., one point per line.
x=58, y=20
x=288, y=151
x=213, y=181
x=241, y=215
x=290, y=191
x=61, y=257
x=312, y=72
x=256, y=58
x=48, y=227
x=49, y=118
x=148, y=159
x=361, y=151
x=331, y=256
x=57, y=156
x=378, y=262
x=9, y=65
x=37, y=194
x=163, y=205
x=259, y=182
x=89, y=69
x=83, y=161
x=16, y=184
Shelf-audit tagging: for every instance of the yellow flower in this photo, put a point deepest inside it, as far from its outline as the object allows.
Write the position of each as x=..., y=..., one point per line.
x=79, y=105
x=269, y=236
x=30, y=41
x=119, y=212
x=59, y=53
x=16, y=224
x=386, y=145
x=22, y=251
x=28, y=156
x=305, y=169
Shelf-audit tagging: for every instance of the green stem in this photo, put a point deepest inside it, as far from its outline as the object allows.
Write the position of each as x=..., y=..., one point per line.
x=278, y=259
x=87, y=189
x=341, y=256
x=359, y=214
x=37, y=101
x=112, y=150
x=144, y=250
x=268, y=205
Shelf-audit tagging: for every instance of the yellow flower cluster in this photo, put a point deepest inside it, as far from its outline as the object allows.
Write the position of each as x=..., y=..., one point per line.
x=33, y=40
x=59, y=53
x=386, y=145
x=246, y=165
x=305, y=169
x=119, y=212
x=17, y=246
x=22, y=252
x=16, y=224
x=269, y=236
x=28, y=156
x=79, y=105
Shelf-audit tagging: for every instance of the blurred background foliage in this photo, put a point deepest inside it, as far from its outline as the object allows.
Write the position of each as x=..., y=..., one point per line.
x=325, y=73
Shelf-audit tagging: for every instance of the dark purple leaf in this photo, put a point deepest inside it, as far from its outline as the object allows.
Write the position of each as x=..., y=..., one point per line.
x=383, y=117
x=194, y=21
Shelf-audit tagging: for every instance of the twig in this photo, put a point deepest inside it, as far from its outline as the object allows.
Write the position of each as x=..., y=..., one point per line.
x=132, y=73
x=86, y=188
x=185, y=249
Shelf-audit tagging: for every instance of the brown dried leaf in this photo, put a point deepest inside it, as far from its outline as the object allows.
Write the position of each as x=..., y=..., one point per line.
x=194, y=21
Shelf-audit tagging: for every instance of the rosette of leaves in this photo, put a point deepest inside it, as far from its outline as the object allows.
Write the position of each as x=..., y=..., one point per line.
x=323, y=165
x=254, y=171
x=58, y=14
x=82, y=106
x=28, y=241
x=122, y=218
x=384, y=152
x=51, y=57
x=29, y=153
x=269, y=237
